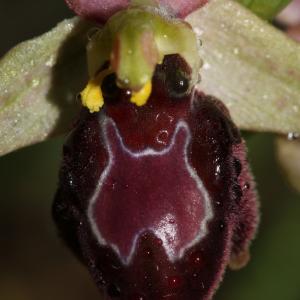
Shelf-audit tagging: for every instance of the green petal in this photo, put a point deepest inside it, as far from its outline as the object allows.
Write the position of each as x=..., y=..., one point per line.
x=249, y=65
x=266, y=9
x=38, y=81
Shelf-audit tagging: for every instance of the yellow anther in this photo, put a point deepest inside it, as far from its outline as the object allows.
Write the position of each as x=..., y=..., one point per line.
x=91, y=96
x=140, y=97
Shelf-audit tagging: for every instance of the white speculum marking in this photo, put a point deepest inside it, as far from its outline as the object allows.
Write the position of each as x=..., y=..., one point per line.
x=165, y=229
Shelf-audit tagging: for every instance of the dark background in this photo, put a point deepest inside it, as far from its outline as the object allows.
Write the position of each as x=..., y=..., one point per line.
x=35, y=265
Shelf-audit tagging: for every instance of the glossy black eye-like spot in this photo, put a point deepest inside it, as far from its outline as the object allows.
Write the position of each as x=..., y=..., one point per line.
x=109, y=88
x=178, y=84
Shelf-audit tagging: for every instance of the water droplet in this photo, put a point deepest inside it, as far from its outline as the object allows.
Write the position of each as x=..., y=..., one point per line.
x=148, y=252
x=218, y=170
x=35, y=82
x=198, y=31
x=206, y=66
x=175, y=282
x=195, y=259
x=221, y=226
x=163, y=117
x=246, y=186
x=236, y=51
x=293, y=136
x=295, y=108
x=162, y=137
x=50, y=61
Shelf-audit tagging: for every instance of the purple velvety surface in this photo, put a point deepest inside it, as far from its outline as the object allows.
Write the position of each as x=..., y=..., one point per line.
x=156, y=199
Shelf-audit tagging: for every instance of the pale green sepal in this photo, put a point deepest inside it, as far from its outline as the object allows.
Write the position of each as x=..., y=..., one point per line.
x=39, y=80
x=249, y=65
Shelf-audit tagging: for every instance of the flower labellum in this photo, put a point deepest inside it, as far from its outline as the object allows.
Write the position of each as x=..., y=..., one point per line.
x=155, y=194
x=157, y=200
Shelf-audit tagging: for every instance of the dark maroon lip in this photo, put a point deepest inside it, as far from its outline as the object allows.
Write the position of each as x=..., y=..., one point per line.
x=141, y=197
x=148, y=179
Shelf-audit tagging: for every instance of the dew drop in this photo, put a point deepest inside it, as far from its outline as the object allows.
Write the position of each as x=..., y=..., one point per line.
x=50, y=62
x=175, y=282
x=218, y=170
x=164, y=117
x=293, y=136
x=236, y=51
x=246, y=186
x=35, y=82
x=162, y=137
x=148, y=253
x=221, y=226
x=206, y=66
x=195, y=259
x=198, y=31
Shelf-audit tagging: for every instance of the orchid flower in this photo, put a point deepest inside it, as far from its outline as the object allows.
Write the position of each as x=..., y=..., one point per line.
x=156, y=196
